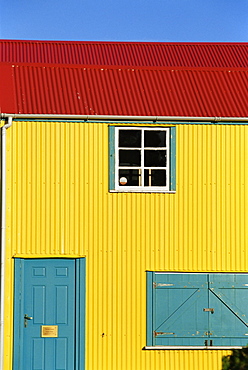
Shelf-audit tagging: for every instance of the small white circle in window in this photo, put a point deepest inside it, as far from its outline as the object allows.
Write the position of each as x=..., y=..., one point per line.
x=123, y=180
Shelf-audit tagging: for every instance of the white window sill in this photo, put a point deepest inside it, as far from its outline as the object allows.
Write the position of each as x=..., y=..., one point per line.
x=191, y=347
x=142, y=191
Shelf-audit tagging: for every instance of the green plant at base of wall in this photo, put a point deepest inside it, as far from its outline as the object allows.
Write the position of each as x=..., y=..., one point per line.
x=238, y=360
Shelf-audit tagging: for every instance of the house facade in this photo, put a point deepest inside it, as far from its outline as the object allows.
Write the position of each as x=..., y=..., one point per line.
x=124, y=205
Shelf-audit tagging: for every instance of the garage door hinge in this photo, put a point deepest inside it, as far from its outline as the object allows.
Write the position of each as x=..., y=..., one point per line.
x=156, y=333
x=208, y=310
x=155, y=285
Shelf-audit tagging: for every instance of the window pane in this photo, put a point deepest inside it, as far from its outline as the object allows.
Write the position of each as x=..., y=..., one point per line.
x=155, y=138
x=129, y=158
x=129, y=177
x=130, y=138
x=155, y=158
x=155, y=178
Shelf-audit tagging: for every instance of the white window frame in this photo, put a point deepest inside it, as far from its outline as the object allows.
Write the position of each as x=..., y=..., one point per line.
x=142, y=188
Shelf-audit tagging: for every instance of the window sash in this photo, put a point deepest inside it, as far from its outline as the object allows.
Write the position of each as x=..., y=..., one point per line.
x=142, y=166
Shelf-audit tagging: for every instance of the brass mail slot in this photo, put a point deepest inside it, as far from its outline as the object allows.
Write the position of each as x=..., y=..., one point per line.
x=49, y=331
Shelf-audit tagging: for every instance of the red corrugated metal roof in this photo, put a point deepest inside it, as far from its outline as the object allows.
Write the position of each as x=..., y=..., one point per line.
x=124, y=78
x=126, y=53
x=129, y=91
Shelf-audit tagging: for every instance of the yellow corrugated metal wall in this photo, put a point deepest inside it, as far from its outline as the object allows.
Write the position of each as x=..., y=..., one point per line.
x=58, y=204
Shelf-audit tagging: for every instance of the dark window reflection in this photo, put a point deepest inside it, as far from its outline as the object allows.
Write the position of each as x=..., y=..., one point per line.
x=155, y=158
x=132, y=176
x=129, y=158
x=130, y=138
x=155, y=178
x=155, y=138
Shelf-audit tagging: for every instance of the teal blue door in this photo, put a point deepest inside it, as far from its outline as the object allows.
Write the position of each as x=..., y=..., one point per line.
x=228, y=296
x=45, y=314
x=177, y=297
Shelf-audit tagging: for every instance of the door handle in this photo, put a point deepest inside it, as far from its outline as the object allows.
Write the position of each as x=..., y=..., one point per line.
x=26, y=318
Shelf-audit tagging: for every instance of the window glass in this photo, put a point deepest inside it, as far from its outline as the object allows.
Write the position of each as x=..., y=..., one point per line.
x=129, y=158
x=155, y=158
x=129, y=177
x=155, y=178
x=130, y=138
x=155, y=138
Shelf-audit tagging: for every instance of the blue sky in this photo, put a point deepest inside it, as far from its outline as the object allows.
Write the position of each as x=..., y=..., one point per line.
x=125, y=20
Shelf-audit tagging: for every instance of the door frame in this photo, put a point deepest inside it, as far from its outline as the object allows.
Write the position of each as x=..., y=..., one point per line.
x=80, y=266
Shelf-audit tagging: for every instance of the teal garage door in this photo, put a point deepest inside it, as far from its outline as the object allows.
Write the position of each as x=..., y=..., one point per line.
x=197, y=309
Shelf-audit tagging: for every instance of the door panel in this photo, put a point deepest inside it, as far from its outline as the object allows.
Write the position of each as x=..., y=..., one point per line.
x=228, y=297
x=179, y=318
x=47, y=298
